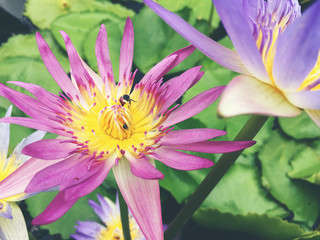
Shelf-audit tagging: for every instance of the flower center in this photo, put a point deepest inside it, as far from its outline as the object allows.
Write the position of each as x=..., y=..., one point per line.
x=267, y=22
x=116, y=121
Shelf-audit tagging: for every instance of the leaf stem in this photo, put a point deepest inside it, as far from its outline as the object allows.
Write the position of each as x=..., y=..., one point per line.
x=248, y=132
x=124, y=217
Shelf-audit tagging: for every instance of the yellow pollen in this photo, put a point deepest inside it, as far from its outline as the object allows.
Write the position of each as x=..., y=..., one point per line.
x=106, y=126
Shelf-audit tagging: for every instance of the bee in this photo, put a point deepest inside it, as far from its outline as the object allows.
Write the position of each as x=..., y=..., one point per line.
x=125, y=99
x=125, y=126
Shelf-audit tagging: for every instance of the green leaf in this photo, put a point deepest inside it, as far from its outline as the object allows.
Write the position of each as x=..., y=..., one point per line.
x=299, y=197
x=43, y=12
x=262, y=226
x=300, y=127
x=29, y=70
x=306, y=165
x=240, y=192
x=78, y=26
x=81, y=211
x=155, y=40
x=201, y=10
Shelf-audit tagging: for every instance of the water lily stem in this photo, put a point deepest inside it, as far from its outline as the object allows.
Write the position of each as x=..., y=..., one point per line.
x=248, y=132
x=124, y=217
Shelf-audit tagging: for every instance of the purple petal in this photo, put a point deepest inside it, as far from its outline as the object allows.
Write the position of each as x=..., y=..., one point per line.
x=305, y=99
x=298, y=49
x=247, y=95
x=126, y=52
x=212, y=49
x=5, y=210
x=89, y=228
x=55, y=68
x=186, y=136
x=235, y=21
x=179, y=85
x=143, y=199
x=194, y=106
x=142, y=168
x=49, y=149
x=168, y=63
x=181, y=161
x=103, y=57
x=214, y=146
x=104, y=211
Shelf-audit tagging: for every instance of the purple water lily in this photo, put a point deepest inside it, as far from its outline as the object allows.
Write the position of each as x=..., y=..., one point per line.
x=109, y=213
x=103, y=125
x=277, y=53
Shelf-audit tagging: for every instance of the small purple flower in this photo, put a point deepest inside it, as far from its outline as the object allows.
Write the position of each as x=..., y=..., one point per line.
x=109, y=213
x=277, y=53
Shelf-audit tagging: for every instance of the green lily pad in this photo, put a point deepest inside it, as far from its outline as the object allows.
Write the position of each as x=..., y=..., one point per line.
x=300, y=127
x=306, y=165
x=262, y=226
x=156, y=40
x=43, y=12
x=298, y=196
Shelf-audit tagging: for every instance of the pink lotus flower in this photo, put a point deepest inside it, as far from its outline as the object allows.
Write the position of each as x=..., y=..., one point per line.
x=104, y=125
x=277, y=53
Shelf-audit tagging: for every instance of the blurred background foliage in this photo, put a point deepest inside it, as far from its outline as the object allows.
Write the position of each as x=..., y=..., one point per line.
x=271, y=192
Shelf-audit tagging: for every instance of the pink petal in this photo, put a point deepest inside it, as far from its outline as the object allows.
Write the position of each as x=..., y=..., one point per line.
x=52, y=175
x=179, y=85
x=126, y=52
x=194, y=106
x=55, y=68
x=186, y=136
x=90, y=183
x=56, y=209
x=181, y=161
x=142, y=168
x=49, y=149
x=143, y=199
x=5, y=135
x=235, y=21
x=67, y=198
x=103, y=57
x=248, y=95
x=17, y=181
x=79, y=173
x=212, y=49
x=168, y=63
x=214, y=146
x=25, y=103
x=47, y=126
x=78, y=71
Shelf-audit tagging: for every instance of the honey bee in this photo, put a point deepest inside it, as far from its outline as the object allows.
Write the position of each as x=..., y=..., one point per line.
x=125, y=99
